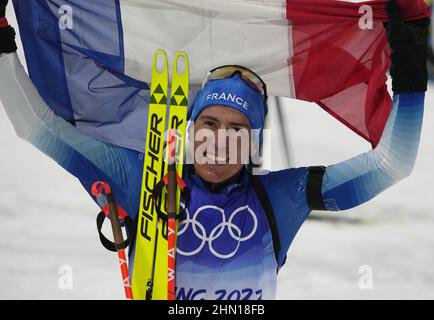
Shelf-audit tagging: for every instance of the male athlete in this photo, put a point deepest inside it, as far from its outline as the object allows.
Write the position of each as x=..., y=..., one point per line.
x=236, y=227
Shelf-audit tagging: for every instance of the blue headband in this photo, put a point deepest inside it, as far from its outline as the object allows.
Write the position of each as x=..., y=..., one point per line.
x=233, y=93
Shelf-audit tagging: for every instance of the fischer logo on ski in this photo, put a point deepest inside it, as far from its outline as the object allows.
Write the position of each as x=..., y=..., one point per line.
x=152, y=174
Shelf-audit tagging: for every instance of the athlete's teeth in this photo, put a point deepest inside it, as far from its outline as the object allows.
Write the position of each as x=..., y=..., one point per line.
x=215, y=159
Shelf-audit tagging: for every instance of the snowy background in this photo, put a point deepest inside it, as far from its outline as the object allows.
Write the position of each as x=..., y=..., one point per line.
x=48, y=221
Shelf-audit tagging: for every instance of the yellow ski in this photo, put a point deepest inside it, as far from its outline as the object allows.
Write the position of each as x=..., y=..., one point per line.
x=147, y=229
x=165, y=273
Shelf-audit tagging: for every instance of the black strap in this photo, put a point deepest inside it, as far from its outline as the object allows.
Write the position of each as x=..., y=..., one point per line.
x=268, y=209
x=156, y=194
x=109, y=245
x=314, y=184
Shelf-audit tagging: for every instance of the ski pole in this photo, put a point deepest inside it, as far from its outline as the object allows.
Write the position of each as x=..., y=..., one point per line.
x=171, y=216
x=97, y=188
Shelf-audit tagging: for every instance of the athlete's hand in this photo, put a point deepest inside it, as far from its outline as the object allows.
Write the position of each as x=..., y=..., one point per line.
x=3, y=4
x=7, y=33
x=409, y=42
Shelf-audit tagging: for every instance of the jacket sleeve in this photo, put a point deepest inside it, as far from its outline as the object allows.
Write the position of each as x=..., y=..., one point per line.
x=86, y=158
x=355, y=181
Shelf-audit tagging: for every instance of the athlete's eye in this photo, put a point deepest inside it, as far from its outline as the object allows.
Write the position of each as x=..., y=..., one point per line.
x=210, y=124
x=239, y=128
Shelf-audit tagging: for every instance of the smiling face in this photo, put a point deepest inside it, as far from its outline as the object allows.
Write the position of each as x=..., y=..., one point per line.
x=221, y=143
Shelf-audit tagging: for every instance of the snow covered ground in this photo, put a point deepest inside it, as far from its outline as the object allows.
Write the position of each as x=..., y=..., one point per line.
x=48, y=222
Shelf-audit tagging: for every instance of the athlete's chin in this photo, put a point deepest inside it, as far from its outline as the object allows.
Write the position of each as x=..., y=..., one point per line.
x=216, y=173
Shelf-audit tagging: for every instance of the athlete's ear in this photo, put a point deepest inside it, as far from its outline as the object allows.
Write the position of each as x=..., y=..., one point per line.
x=189, y=143
x=253, y=139
x=253, y=147
x=190, y=131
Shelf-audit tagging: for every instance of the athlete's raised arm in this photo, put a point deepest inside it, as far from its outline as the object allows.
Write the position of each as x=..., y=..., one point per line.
x=86, y=158
x=350, y=183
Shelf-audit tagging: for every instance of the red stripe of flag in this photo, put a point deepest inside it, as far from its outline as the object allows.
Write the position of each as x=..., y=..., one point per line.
x=342, y=67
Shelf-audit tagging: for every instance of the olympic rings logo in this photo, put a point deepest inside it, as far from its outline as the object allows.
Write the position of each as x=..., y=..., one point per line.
x=199, y=231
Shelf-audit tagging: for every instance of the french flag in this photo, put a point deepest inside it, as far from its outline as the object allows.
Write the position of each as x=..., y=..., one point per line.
x=91, y=61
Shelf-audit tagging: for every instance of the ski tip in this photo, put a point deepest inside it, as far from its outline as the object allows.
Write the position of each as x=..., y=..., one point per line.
x=181, y=63
x=160, y=64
